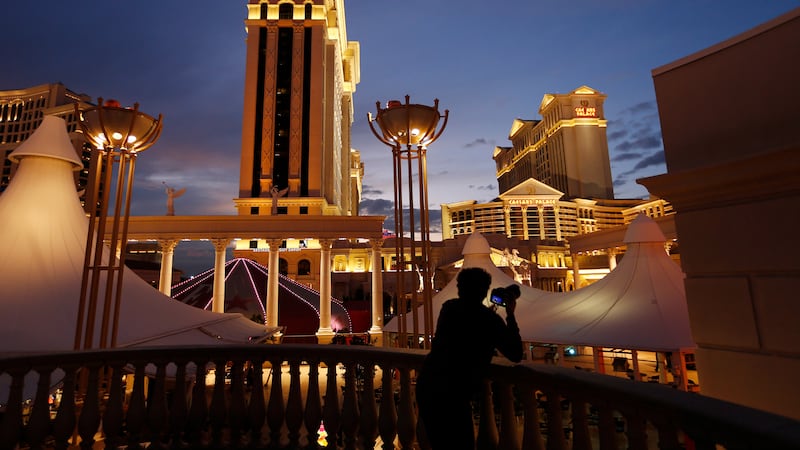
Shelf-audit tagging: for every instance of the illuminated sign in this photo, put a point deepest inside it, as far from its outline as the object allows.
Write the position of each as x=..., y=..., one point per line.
x=585, y=110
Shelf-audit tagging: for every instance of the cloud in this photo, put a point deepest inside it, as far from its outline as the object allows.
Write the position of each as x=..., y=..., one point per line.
x=479, y=142
x=376, y=207
x=367, y=190
x=655, y=159
x=485, y=187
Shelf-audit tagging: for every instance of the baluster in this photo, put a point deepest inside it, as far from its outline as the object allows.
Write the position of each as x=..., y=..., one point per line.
x=368, y=423
x=532, y=435
x=114, y=414
x=136, y=407
x=406, y=418
x=509, y=437
x=12, y=419
x=157, y=413
x=330, y=411
x=636, y=431
x=294, y=406
x=64, y=425
x=237, y=414
x=89, y=421
x=39, y=421
x=198, y=411
x=667, y=434
x=350, y=407
x=608, y=431
x=256, y=410
x=275, y=409
x=216, y=411
x=178, y=410
x=387, y=423
x=580, y=426
x=555, y=422
x=313, y=414
x=487, y=427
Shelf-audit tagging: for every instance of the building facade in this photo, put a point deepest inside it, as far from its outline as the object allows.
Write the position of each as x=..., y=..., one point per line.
x=21, y=112
x=300, y=75
x=567, y=149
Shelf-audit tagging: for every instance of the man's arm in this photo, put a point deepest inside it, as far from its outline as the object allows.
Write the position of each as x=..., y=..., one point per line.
x=510, y=342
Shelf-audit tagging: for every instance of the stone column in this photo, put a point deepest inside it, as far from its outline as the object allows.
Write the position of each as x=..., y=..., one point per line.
x=272, y=283
x=525, y=223
x=167, y=248
x=376, y=330
x=576, y=271
x=325, y=333
x=612, y=258
x=556, y=213
x=218, y=299
x=542, y=232
x=507, y=219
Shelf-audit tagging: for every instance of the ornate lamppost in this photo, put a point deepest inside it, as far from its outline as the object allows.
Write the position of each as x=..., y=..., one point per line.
x=408, y=129
x=117, y=134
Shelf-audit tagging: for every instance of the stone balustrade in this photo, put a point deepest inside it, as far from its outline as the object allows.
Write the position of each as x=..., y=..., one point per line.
x=279, y=396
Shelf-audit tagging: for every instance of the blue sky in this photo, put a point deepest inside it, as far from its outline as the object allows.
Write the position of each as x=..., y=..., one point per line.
x=487, y=62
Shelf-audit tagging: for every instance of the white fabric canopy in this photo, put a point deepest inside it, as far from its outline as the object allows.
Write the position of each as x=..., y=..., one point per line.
x=639, y=305
x=43, y=232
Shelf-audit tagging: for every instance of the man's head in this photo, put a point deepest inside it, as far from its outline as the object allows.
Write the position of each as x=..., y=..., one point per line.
x=473, y=284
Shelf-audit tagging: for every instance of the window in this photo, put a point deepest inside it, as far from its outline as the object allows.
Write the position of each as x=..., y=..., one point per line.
x=283, y=210
x=283, y=267
x=304, y=267
x=254, y=210
x=304, y=210
x=308, y=10
x=253, y=244
x=286, y=11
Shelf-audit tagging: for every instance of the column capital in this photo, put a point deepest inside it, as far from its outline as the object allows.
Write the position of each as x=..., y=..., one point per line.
x=274, y=244
x=167, y=245
x=220, y=244
x=376, y=244
x=325, y=244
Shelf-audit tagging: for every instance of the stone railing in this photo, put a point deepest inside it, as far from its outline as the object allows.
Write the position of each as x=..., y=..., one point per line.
x=280, y=396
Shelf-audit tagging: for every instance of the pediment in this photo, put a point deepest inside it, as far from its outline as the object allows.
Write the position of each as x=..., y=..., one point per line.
x=532, y=188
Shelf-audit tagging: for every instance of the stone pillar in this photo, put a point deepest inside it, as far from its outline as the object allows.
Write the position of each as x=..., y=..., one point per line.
x=325, y=333
x=218, y=299
x=558, y=221
x=599, y=360
x=542, y=232
x=167, y=248
x=272, y=283
x=612, y=258
x=525, y=223
x=576, y=271
x=376, y=330
x=507, y=219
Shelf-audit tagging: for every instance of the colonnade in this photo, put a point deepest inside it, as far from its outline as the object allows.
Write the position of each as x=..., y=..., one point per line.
x=325, y=333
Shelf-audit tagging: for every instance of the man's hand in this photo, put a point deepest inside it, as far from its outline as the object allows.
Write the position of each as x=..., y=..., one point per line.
x=511, y=305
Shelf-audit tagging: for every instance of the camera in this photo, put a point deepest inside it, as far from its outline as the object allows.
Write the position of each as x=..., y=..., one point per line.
x=500, y=296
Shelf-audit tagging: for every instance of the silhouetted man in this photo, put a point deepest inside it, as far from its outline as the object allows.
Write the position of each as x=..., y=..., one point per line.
x=467, y=333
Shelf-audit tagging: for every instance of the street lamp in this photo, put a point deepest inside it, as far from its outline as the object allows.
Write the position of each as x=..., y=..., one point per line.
x=117, y=134
x=408, y=129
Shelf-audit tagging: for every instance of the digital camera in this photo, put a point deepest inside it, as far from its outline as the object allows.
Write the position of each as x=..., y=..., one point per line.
x=500, y=296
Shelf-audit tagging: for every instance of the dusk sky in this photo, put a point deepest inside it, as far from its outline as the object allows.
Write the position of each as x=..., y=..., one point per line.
x=487, y=62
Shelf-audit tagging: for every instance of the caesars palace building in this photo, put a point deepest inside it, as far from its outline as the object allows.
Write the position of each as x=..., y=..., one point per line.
x=297, y=205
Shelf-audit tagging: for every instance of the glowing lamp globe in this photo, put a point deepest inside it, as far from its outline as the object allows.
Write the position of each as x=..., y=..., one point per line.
x=110, y=125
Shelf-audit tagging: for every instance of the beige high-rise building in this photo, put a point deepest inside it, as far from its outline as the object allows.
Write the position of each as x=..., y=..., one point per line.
x=301, y=73
x=567, y=149
x=21, y=112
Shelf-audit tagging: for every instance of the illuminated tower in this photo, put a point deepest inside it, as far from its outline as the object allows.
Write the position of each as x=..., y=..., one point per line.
x=566, y=150
x=301, y=73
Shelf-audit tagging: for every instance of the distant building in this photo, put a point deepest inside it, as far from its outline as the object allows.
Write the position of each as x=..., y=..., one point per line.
x=21, y=112
x=567, y=149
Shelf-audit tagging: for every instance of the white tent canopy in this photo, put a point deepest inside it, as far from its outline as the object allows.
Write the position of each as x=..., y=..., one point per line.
x=43, y=232
x=639, y=305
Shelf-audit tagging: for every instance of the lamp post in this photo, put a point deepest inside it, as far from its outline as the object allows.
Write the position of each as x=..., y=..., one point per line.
x=408, y=129
x=118, y=135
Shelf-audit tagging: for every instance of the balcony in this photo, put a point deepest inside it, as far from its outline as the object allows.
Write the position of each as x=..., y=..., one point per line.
x=363, y=395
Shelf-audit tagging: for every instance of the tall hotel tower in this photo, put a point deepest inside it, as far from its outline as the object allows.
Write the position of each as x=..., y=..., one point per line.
x=301, y=73
x=566, y=150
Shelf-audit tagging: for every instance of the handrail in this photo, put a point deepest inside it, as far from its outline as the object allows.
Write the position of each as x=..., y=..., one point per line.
x=363, y=395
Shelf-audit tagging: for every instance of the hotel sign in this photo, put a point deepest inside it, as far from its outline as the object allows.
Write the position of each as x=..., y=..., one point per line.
x=585, y=110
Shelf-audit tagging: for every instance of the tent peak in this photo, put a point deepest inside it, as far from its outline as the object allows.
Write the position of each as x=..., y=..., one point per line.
x=643, y=229
x=49, y=140
x=476, y=244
